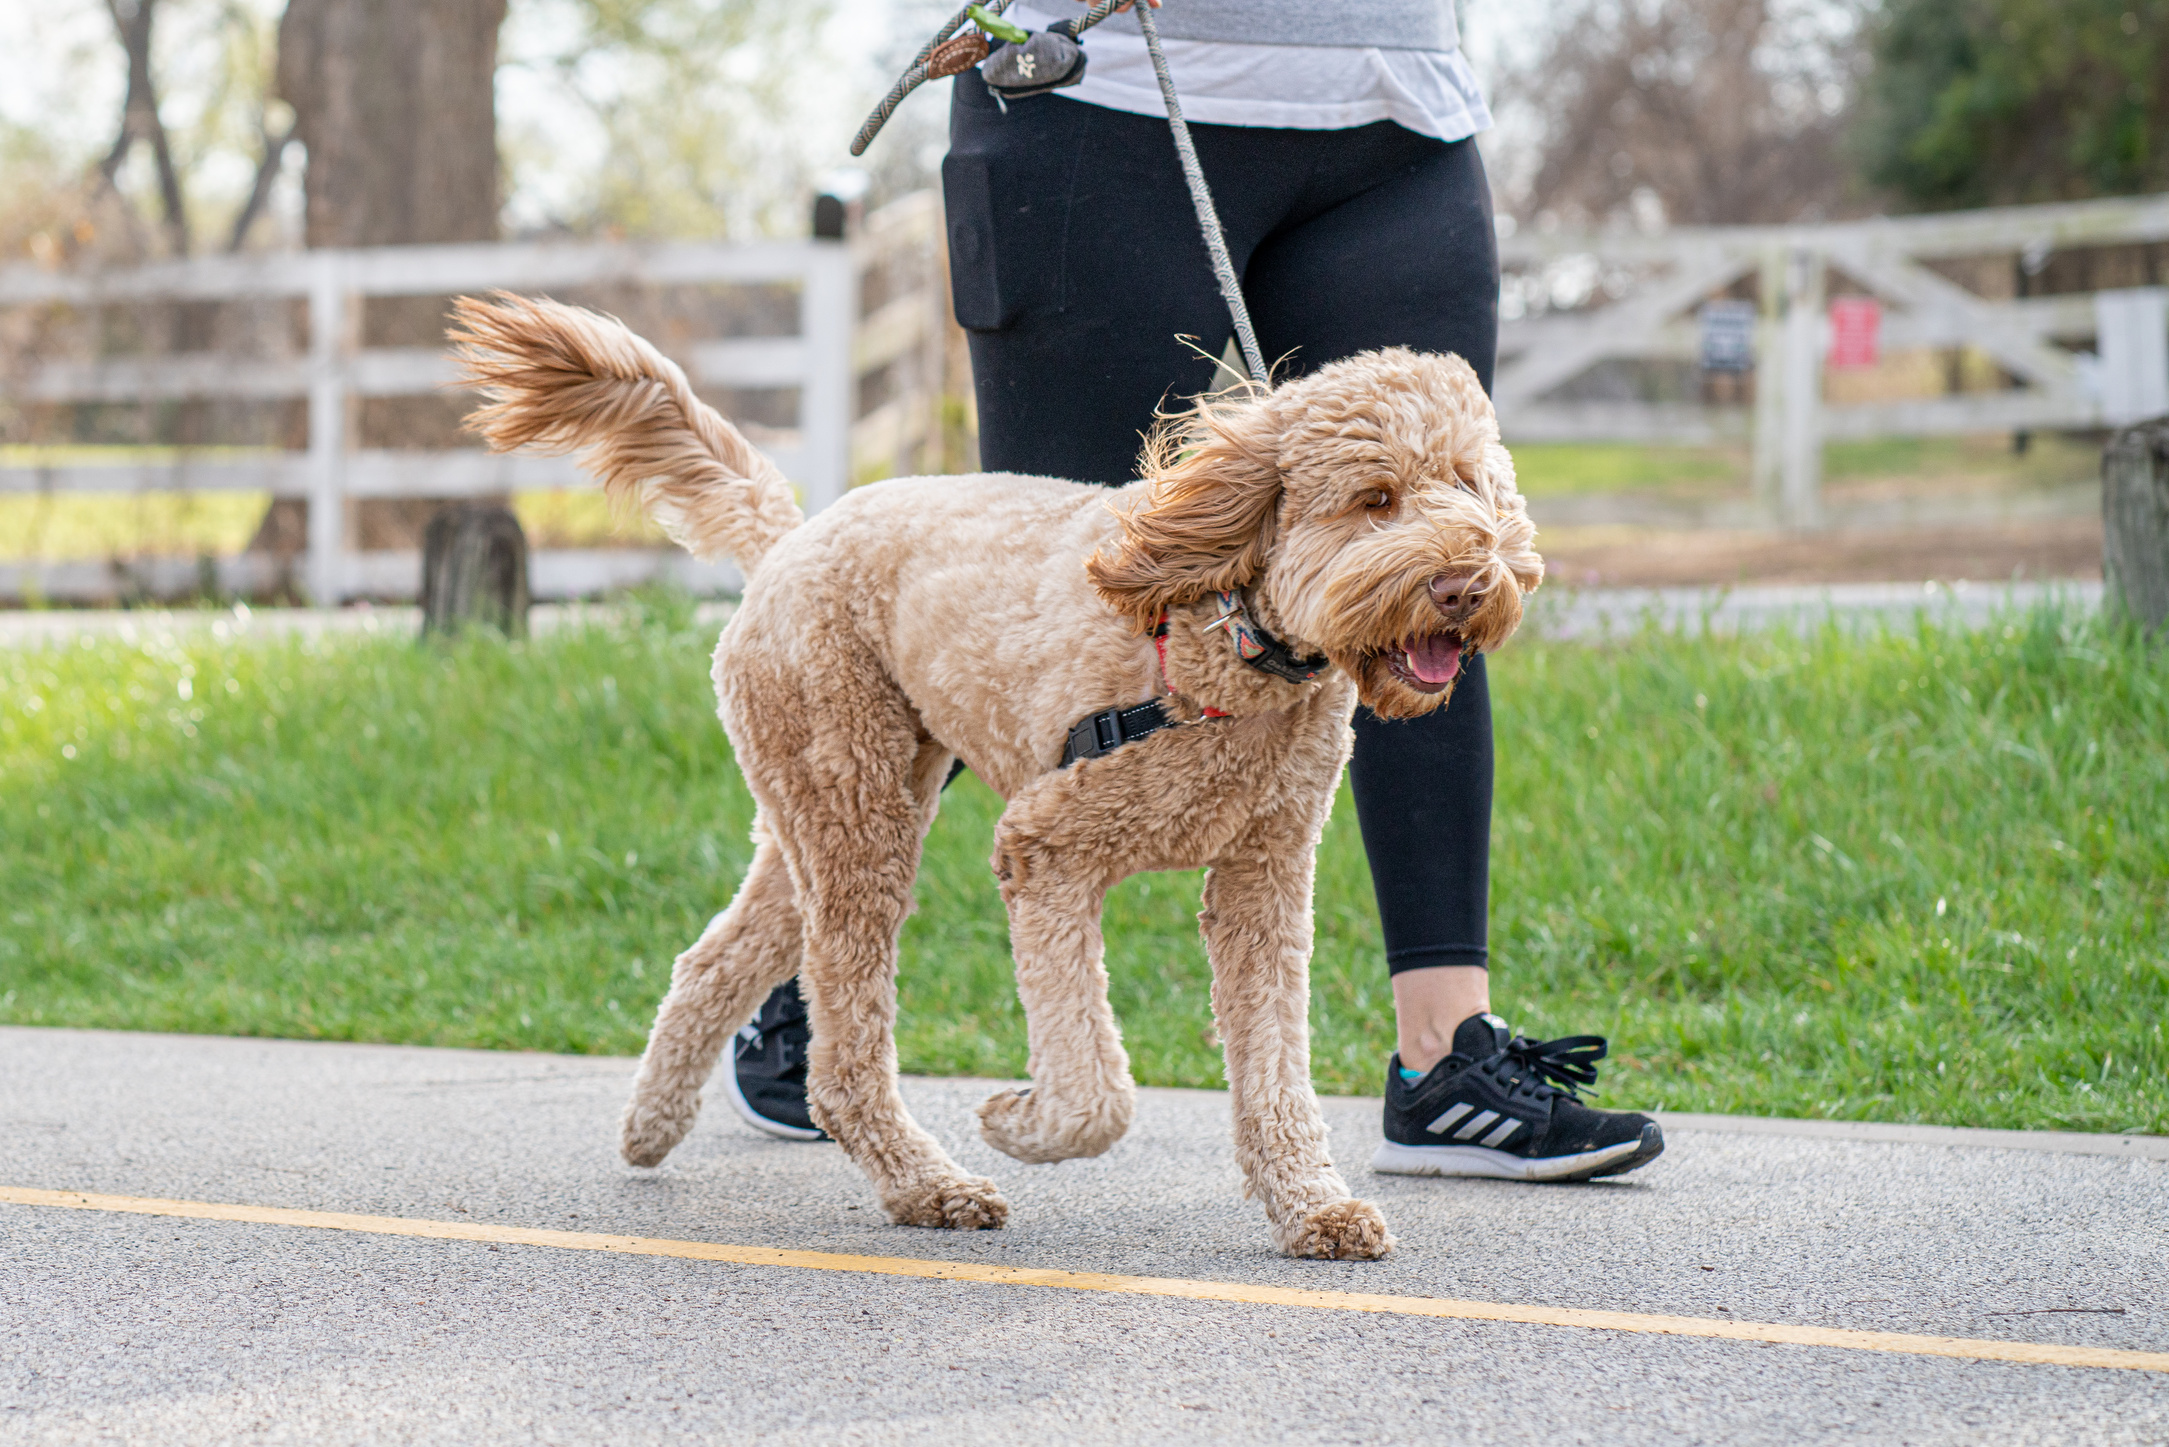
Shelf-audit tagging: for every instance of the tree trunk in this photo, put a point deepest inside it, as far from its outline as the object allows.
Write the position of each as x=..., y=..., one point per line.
x=2135, y=520
x=395, y=102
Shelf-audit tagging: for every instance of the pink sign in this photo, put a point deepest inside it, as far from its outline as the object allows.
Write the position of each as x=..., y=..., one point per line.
x=1856, y=323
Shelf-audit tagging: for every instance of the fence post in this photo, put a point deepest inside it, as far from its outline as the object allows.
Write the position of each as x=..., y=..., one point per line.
x=1770, y=381
x=2135, y=520
x=331, y=342
x=1803, y=446
x=827, y=323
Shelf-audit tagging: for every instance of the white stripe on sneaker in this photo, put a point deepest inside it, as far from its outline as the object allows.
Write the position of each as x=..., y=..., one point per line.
x=1438, y=1127
x=1469, y=1130
x=1506, y=1129
x=1393, y=1158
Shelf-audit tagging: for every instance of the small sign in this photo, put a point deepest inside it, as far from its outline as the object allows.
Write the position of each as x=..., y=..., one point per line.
x=1728, y=336
x=1856, y=327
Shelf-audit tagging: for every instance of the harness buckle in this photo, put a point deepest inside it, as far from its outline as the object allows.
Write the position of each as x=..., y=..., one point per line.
x=1096, y=734
x=1111, y=728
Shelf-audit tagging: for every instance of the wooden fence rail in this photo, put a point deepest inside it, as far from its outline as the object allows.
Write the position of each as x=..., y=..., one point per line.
x=836, y=344
x=2078, y=360
x=2073, y=360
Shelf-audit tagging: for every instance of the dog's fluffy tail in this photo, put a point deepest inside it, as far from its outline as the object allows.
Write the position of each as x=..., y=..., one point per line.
x=560, y=379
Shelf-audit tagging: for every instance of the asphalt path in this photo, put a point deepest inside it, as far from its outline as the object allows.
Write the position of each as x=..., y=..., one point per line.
x=124, y=1327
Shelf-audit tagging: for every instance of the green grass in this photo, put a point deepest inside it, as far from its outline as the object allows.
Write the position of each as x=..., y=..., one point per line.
x=2051, y=459
x=1565, y=469
x=60, y=526
x=56, y=526
x=1915, y=877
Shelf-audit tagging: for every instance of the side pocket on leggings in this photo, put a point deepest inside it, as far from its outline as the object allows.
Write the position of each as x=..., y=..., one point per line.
x=974, y=283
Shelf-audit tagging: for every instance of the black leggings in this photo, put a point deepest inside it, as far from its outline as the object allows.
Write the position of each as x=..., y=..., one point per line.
x=1078, y=269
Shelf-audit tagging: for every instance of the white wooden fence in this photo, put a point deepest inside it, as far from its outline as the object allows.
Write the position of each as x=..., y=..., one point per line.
x=2077, y=360
x=833, y=348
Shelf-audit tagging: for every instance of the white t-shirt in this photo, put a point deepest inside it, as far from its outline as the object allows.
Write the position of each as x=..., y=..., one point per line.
x=1300, y=87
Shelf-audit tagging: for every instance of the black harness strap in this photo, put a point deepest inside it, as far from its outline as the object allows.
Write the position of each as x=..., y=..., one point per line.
x=1111, y=728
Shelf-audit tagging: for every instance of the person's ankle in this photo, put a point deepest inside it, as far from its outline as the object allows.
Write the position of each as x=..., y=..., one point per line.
x=1429, y=1005
x=1426, y=1049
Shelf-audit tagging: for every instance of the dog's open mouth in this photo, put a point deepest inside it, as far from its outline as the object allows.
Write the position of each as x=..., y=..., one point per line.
x=1427, y=664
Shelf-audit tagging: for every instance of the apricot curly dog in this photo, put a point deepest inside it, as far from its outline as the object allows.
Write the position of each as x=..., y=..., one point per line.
x=1350, y=534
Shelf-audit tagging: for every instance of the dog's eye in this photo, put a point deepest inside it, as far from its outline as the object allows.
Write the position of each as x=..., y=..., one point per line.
x=1377, y=499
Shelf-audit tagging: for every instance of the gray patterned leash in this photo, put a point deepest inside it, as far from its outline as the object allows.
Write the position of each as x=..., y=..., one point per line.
x=920, y=71
x=1201, y=196
x=914, y=76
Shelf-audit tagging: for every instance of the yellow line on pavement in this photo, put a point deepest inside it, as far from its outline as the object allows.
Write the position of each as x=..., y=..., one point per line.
x=1969, y=1348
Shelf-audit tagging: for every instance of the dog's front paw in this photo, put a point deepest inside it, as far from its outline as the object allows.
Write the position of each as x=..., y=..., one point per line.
x=959, y=1203
x=1036, y=1127
x=1348, y=1230
x=653, y=1128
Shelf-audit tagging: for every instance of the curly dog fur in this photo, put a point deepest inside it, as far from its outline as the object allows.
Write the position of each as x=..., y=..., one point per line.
x=1366, y=512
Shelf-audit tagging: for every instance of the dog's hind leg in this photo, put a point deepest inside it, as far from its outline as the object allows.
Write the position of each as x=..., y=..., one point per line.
x=1081, y=1098
x=1257, y=928
x=715, y=987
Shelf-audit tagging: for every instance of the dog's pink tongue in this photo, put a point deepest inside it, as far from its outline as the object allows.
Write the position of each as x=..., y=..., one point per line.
x=1435, y=659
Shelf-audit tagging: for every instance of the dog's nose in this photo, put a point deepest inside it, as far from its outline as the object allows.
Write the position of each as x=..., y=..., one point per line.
x=1457, y=595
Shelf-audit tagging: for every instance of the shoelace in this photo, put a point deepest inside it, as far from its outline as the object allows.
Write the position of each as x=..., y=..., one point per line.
x=1549, y=1067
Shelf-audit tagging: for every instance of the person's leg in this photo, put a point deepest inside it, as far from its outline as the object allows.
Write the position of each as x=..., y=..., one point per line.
x=1423, y=796
x=1410, y=260
x=1076, y=266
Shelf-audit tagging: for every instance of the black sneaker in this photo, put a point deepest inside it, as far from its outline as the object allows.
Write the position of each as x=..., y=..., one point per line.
x=767, y=1078
x=1504, y=1106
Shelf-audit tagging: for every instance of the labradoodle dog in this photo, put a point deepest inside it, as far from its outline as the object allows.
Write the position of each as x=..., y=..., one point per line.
x=1155, y=677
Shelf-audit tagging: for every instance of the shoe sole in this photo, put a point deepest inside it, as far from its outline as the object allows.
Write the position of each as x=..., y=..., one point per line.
x=1395, y=1159
x=762, y=1123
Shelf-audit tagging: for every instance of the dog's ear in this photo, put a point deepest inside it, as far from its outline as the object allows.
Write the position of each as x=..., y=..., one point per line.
x=1209, y=518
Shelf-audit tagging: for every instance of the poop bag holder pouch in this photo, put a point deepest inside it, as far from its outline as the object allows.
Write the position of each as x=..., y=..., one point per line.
x=1044, y=60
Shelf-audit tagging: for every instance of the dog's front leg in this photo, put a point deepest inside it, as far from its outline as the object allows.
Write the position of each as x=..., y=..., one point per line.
x=1081, y=1098
x=1257, y=928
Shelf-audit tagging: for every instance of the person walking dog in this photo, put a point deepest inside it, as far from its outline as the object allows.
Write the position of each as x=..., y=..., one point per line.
x=1338, y=142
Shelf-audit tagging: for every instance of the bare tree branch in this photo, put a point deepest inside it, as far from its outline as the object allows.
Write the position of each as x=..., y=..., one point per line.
x=127, y=23
x=267, y=175
x=140, y=120
x=1711, y=107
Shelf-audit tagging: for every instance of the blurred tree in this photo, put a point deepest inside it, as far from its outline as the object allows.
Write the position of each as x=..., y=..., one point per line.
x=140, y=120
x=395, y=101
x=687, y=118
x=1689, y=111
x=1986, y=102
x=697, y=118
